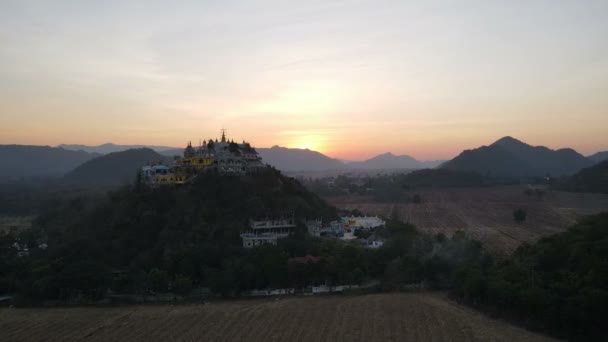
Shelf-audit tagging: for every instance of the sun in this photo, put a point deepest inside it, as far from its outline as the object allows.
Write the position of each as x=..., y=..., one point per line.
x=313, y=142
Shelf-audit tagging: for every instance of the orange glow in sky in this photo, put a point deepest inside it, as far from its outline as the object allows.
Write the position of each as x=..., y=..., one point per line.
x=348, y=79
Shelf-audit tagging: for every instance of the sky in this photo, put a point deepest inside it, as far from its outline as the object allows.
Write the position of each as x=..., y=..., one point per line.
x=350, y=79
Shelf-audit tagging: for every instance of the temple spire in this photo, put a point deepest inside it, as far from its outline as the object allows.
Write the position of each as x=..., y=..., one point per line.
x=223, y=135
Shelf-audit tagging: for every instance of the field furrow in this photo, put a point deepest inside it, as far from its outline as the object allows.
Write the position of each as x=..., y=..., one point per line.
x=485, y=214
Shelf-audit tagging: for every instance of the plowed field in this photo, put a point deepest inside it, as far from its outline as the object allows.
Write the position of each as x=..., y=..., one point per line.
x=378, y=317
x=486, y=214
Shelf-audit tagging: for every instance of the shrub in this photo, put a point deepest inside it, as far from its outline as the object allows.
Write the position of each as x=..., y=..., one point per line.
x=519, y=215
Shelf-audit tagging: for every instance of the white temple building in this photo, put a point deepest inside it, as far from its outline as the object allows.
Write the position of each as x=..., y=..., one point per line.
x=268, y=231
x=366, y=222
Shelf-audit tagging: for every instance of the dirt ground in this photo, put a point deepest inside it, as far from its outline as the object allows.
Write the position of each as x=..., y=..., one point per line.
x=486, y=214
x=377, y=317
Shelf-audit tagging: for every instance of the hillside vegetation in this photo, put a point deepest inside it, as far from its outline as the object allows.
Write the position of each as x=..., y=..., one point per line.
x=592, y=179
x=559, y=284
x=174, y=238
x=190, y=231
x=139, y=241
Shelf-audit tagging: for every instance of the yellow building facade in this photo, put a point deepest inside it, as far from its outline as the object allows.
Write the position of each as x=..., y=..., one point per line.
x=198, y=163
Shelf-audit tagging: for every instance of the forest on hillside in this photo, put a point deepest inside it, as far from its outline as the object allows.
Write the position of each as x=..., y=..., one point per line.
x=591, y=179
x=136, y=240
x=139, y=241
x=558, y=285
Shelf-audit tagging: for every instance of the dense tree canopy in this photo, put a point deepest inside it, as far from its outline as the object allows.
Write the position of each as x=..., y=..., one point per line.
x=136, y=240
x=139, y=240
x=559, y=284
x=188, y=231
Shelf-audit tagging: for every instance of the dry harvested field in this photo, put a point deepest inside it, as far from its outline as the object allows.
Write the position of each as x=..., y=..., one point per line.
x=17, y=223
x=378, y=317
x=486, y=214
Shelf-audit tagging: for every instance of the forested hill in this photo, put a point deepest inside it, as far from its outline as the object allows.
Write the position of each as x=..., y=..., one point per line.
x=558, y=285
x=211, y=208
x=591, y=179
x=188, y=230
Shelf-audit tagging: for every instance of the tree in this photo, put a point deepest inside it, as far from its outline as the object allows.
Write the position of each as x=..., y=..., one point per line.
x=182, y=284
x=138, y=180
x=158, y=280
x=357, y=276
x=356, y=213
x=470, y=282
x=440, y=237
x=519, y=215
x=557, y=284
x=395, y=214
x=362, y=233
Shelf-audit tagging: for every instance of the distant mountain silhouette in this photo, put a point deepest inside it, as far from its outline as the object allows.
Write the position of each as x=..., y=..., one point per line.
x=599, y=157
x=591, y=179
x=565, y=161
x=172, y=152
x=26, y=161
x=391, y=161
x=109, y=148
x=295, y=159
x=115, y=168
x=489, y=160
x=509, y=157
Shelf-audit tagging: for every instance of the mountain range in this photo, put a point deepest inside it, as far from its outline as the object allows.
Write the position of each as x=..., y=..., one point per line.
x=509, y=157
x=109, y=148
x=114, y=168
x=24, y=161
x=599, y=157
x=391, y=161
x=297, y=160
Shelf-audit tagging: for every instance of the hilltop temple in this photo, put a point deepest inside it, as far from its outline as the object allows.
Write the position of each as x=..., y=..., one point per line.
x=223, y=155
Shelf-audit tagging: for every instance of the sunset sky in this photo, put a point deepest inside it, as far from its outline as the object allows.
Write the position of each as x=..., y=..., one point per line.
x=351, y=79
